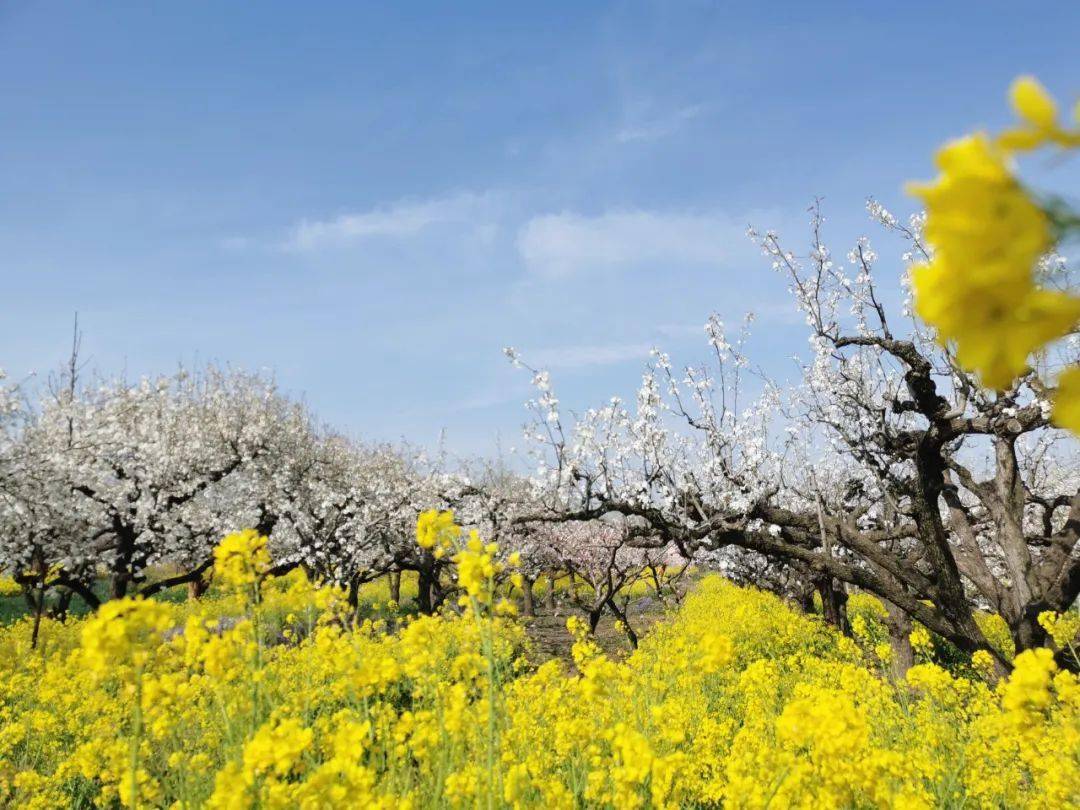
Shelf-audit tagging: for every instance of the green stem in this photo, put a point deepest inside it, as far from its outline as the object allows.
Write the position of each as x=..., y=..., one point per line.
x=485, y=626
x=255, y=681
x=136, y=734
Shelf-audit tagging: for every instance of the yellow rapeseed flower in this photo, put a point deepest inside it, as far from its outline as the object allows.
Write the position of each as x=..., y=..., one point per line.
x=1038, y=115
x=1032, y=103
x=242, y=559
x=1067, y=400
x=995, y=332
x=435, y=528
x=1063, y=628
x=1029, y=688
x=979, y=289
x=979, y=217
x=124, y=632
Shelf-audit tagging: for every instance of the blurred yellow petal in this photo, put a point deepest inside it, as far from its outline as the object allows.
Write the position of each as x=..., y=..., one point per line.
x=1067, y=400
x=1032, y=103
x=1021, y=140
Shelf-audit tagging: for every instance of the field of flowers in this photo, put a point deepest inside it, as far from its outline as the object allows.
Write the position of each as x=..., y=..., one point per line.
x=273, y=694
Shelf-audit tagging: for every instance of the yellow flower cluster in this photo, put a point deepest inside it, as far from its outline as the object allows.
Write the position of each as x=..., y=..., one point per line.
x=1063, y=628
x=921, y=642
x=123, y=633
x=242, y=559
x=980, y=289
x=476, y=562
x=437, y=531
x=9, y=587
x=733, y=700
x=1038, y=115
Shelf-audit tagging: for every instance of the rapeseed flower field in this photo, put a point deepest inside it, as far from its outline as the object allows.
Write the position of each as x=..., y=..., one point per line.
x=273, y=694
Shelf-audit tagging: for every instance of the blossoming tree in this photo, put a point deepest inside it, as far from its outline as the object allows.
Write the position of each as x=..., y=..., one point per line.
x=888, y=468
x=137, y=473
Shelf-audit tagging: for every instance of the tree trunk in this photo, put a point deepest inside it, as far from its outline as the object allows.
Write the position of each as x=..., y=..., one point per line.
x=834, y=604
x=631, y=636
x=63, y=604
x=594, y=617
x=122, y=564
x=39, y=608
x=899, y=624
x=528, y=608
x=395, y=587
x=425, y=584
x=804, y=598
x=353, y=598
x=119, y=585
x=196, y=588
x=549, y=597
x=1026, y=631
x=950, y=597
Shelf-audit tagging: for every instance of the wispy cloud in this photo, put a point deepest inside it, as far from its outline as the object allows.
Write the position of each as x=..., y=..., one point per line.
x=397, y=221
x=565, y=244
x=574, y=357
x=659, y=127
x=681, y=330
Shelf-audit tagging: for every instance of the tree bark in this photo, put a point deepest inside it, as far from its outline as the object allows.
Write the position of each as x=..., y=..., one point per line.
x=594, y=617
x=119, y=585
x=834, y=603
x=425, y=586
x=196, y=588
x=804, y=598
x=528, y=608
x=353, y=598
x=395, y=587
x=631, y=636
x=899, y=625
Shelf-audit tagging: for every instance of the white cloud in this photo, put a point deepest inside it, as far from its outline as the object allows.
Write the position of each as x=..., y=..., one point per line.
x=661, y=127
x=562, y=245
x=570, y=357
x=399, y=220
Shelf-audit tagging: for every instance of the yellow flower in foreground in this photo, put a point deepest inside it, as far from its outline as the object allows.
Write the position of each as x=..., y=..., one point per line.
x=920, y=640
x=884, y=652
x=276, y=749
x=979, y=289
x=436, y=528
x=1067, y=400
x=1038, y=115
x=476, y=568
x=1028, y=690
x=983, y=661
x=1032, y=102
x=124, y=631
x=715, y=650
x=1063, y=628
x=779, y=710
x=979, y=218
x=995, y=328
x=242, y=559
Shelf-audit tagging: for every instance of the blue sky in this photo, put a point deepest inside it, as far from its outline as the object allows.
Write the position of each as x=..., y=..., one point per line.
x=372, y=199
